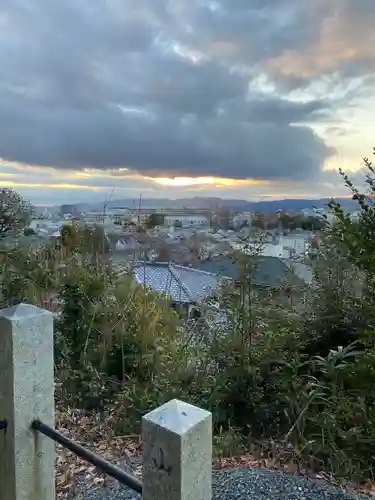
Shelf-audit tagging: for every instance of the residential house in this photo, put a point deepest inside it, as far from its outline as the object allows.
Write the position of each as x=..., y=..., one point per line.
x=267, y=272
x=125, y=249
x=184, y=285
x=187, y=287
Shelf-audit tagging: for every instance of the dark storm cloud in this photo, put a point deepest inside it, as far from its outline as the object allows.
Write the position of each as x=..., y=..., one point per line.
x=261, y=29
x=160, y=87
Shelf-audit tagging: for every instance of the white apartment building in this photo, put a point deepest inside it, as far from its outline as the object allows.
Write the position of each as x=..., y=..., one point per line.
x=265, y=249
x=188, y=220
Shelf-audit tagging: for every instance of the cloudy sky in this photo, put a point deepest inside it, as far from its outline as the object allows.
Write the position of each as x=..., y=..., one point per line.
x=168, y=98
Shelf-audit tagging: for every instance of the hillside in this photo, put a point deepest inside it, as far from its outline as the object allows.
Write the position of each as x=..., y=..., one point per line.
x=293, y=204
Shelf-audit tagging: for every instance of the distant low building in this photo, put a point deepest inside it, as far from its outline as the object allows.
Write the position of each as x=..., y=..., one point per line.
x=48, y=227
x=68, y=210
x=264, y=249
x=185, y=221
x=296, y=243
x=98, y=219
x=308, y=212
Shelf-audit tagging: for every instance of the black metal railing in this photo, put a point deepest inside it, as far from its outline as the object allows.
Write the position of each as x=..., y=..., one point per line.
x=94, y=459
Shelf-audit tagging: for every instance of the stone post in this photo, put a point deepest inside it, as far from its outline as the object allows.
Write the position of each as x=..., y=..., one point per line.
x=177, y=453
x=27, y=459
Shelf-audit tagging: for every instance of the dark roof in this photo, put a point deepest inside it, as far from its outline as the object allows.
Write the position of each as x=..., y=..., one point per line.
x=22, y=241
x=266, y=271
x=182, y=284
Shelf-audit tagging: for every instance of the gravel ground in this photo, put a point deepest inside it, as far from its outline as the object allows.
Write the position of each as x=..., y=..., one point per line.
x=246, y=484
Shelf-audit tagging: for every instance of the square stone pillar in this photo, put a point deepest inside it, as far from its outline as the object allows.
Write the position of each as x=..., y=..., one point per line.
x=177, y=453
x=27, y=459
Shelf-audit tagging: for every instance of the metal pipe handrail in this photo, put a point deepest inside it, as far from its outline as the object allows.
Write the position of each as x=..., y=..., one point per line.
x=99, y=462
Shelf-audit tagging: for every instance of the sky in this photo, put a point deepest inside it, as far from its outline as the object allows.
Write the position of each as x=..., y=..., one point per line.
x=247, y=99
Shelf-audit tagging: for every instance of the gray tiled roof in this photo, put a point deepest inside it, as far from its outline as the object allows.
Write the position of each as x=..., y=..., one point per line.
x=182, y=284
x=266, y=272
x=303, y=271
x=200, y=284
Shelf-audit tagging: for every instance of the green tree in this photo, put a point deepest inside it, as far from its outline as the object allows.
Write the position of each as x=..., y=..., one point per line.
x=155, y=220
x=163, y=251
x=311, y=223
x=223, y=217
x=95, y=241
x=358, y=237
x=81, y=292
x=85, y=239
x=70, y=237
x=31, y=275
x=288, y=222
x=15, y=212
x=258, y=223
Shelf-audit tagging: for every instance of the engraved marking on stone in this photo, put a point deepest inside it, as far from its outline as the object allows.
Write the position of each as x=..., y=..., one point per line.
x=159, y=462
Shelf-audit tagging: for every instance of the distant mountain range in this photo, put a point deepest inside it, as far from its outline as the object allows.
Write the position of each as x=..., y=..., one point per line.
x=238, y=205
x=212, y=203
